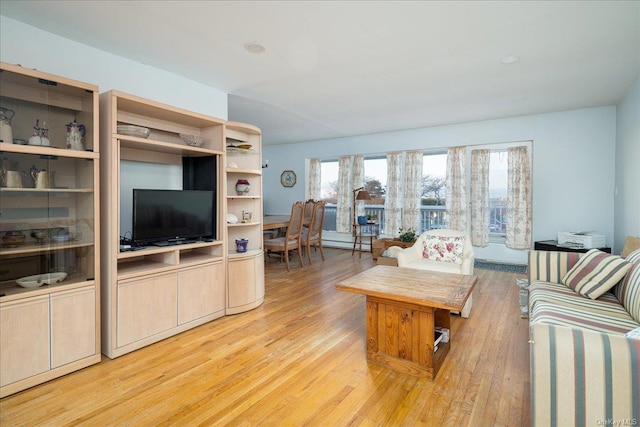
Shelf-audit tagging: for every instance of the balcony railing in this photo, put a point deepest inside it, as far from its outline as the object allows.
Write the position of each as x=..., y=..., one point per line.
x=431, y=217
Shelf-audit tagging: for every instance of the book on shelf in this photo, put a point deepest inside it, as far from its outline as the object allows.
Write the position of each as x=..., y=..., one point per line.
x=444, y=335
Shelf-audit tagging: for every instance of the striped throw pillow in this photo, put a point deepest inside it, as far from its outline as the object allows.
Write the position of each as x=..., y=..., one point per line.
x=595, y=273
x=628, y=291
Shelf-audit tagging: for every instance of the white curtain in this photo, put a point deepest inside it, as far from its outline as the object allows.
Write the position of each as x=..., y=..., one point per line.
x=519, y=209
x=456, y=193
x=412, y=190
x=393, y=201
x=358, y=181
x=313, y=180
x=480, y=197
x=343, y=214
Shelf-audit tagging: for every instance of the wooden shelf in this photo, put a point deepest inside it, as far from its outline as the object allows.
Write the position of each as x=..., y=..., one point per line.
x=240, y=151
x=14, y=292
x=143, y=266
x=47, y=151
x=194, y=258
x=134, y=142
x=243, y=197
x=154, y=250
x=46, y=190
x=250, y=253
x=244, y=171
x=245, y=224
x=33, y=248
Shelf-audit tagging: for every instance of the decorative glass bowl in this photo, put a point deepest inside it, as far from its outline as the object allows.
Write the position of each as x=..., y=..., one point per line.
x=131, y=130
x=192, y=140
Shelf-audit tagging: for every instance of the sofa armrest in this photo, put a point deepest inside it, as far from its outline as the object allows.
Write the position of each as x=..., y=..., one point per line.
x=407, y=256
x=467, y=265
x=582, y=377
x=550, y=266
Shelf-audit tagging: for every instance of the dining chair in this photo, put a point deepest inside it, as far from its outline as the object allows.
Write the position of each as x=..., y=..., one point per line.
x=308, y=212
x=292, y=239
x=313, y=235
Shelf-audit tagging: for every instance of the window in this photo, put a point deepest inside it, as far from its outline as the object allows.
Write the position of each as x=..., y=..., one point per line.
x=498, y=194
x=329, y=181
x=434, y=173
x=375, y=180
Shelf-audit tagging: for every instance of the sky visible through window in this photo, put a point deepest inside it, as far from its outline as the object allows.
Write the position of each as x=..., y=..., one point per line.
x=434, y=165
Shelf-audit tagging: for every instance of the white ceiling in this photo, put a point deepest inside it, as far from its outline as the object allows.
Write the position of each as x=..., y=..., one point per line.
x=334, y=69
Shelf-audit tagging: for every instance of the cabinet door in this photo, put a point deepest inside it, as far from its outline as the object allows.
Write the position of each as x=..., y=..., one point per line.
x=146, y=307
x=246, y=280
x=24, y=339
x=73, y=325
x=259, y=264
x=200, y=292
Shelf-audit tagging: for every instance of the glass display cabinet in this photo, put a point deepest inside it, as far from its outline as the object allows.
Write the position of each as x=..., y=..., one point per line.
x=49, y=206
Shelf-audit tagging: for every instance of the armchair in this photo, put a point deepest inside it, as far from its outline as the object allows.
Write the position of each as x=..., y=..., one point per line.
x=415, y=257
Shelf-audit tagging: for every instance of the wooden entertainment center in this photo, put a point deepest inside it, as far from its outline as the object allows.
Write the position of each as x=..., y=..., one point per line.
x=67, y=215
x=156, y=292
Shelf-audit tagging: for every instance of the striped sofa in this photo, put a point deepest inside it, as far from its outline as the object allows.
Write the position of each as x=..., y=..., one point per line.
x=584, y=370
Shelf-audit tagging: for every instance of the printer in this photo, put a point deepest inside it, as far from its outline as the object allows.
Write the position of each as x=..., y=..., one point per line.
x=581, y=239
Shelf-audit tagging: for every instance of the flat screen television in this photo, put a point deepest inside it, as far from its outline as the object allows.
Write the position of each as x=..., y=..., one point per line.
x=172, y=216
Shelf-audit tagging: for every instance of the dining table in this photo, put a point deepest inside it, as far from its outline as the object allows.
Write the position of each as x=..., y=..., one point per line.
x=274, y=222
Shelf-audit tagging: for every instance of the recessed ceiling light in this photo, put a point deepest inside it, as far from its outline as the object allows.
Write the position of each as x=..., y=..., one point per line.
x=254, y=47
x=511, y=59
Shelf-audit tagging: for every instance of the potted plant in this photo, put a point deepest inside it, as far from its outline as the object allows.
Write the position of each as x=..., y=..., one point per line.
x=408, y=236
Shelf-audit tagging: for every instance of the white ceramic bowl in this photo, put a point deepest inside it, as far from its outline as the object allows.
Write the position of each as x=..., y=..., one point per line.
x=41, y=279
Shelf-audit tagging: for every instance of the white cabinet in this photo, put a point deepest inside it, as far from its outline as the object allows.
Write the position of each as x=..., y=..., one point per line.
x=24, y=339
x=200, y=292
x=73, y=327
x=146, y=306
x=245, y=283
x=46, y=334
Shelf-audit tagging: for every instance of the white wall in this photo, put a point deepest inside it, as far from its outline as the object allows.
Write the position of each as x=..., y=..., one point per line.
x=34, y=48
x=573, y=166
x=627, y=178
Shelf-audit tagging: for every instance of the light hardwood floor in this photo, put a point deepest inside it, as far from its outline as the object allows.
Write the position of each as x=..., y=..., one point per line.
x=299, y=359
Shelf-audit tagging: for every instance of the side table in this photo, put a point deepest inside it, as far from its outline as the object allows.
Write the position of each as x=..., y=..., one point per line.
x=361, y=231
x=552, y=245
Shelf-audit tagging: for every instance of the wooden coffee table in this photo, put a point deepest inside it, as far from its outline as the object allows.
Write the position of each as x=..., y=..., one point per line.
x=404, y=305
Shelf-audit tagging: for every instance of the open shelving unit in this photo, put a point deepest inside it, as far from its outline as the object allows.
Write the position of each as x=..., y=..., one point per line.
x=245, y=270
x=50, y=330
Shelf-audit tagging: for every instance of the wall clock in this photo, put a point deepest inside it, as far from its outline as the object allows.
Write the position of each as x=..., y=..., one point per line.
x=288, y=178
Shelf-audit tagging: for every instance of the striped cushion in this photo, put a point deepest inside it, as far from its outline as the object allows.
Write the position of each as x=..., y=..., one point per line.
x=584, y=314
x=560, y=294
x=628, y=292
x=550, y=266
x=581, y=377
x=595, y=273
